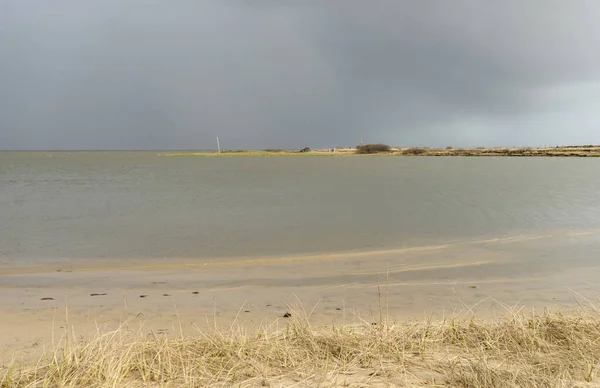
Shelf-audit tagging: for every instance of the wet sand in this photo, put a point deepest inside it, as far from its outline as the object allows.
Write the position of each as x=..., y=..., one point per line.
x=555, y=270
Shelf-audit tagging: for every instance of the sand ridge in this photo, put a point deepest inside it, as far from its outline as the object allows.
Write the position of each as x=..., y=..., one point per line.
x=194, y=263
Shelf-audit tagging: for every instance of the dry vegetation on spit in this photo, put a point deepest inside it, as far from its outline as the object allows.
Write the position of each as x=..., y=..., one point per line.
x=384, y=149
x=569, y=151
x=516, y=350
x=574, y=151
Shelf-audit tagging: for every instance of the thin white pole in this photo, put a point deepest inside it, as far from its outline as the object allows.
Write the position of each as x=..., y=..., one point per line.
x=218, y=145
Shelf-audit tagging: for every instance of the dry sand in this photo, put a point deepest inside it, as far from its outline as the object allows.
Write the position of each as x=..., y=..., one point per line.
x=483, y=277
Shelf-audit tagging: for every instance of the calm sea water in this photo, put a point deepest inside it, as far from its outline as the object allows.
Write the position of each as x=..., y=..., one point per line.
x=87, y=205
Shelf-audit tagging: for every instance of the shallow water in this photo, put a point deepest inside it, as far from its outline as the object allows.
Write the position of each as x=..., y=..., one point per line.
x=112, y=205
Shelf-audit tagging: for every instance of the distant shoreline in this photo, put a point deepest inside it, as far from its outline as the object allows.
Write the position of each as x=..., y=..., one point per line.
x=566, y=151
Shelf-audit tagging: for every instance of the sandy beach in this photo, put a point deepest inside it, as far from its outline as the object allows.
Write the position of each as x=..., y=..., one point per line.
x=485, y=277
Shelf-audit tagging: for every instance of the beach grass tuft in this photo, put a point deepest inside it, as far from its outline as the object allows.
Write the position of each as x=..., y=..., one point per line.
x=526, y=350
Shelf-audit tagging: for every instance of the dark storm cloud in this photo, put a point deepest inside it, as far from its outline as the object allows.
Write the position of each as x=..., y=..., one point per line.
x=157, y=74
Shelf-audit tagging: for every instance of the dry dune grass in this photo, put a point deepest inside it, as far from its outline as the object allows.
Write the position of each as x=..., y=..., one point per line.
x=516, y=350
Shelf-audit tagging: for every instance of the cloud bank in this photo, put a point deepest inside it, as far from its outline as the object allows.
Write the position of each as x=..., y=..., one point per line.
x=133, y=74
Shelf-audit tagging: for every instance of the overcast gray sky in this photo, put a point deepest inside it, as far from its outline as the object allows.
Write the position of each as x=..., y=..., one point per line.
x=158, y=74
